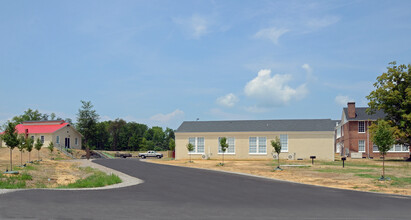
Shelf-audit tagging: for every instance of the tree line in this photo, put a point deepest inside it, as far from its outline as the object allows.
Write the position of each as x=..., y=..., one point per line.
x=117, y=135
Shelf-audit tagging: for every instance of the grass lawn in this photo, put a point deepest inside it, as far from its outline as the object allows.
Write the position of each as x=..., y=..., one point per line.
x=96, y=179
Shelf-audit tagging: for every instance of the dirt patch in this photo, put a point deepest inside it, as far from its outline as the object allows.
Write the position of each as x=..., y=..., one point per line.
x=359, y=175
x=50, y=171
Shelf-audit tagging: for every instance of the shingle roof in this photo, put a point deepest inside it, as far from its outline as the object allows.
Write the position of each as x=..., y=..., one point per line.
x=258, y=125
x=361, y=115
x=39, y=129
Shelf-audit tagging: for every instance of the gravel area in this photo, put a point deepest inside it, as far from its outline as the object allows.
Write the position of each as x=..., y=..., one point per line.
x=126, y=179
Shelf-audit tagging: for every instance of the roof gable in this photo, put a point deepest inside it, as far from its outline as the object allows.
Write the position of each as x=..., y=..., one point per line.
x=39, y=128
x=258, y=125
x=362, y=115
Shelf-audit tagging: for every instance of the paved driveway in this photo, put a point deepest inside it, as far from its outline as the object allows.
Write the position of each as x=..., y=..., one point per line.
x=183, y=193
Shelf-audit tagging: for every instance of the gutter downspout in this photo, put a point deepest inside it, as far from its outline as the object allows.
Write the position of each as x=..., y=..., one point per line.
x=368, y=139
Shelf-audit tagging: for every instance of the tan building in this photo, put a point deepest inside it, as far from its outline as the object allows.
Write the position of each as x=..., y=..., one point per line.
x=300, y=139
x=62, y=134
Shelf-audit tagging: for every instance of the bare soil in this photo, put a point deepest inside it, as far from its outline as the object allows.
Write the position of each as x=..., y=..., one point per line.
x=53, y=170
x=358, y=174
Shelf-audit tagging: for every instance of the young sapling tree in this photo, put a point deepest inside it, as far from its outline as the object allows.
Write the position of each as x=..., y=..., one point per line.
x=224, y=145
x=190, y=148
x=276, y=144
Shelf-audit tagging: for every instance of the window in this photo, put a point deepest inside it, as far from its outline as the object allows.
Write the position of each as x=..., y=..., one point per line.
x=198, y=143
x=231, y=146
x=399, y=148
x=375, y=148
x=338, y=131
x=75, y=141
x=284, y=142
x=32, y=138
x=361, y=146
x=58, y=139
x=42, y=139
x=257, y=145
x=361, y=127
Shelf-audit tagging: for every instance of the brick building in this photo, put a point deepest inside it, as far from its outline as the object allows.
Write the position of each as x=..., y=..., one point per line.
x=353, y=138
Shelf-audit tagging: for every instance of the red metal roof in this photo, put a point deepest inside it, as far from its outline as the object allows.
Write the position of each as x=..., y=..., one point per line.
x=39, y=129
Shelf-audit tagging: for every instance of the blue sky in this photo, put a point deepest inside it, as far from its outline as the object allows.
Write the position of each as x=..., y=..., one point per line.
x=163, y=62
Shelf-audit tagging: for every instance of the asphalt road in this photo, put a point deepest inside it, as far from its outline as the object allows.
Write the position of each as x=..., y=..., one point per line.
x=184, y=193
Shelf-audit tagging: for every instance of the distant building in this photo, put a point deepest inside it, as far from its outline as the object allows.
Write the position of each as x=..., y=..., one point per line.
x=251, y=139
x=353, y=138
x=62, y=134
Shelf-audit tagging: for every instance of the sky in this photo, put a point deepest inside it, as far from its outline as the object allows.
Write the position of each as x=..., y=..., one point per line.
x=164, y=62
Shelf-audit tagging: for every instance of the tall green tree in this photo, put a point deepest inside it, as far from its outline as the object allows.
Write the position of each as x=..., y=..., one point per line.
x=87, y=119
x=11, y=138
x=224, y=146
x=392, y=94
x=276, y=144
x=382, y=134
x=190, y=147
x=115, y=128
x=172, y=144
x=38, y=146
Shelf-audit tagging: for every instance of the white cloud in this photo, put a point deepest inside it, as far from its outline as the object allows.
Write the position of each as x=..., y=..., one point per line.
x=273, y=91
x=342, y=100
x=307, y=68
x=317, y=23
x=196, y=26
x=167, y=118
x=272, y=34
x=228, y=100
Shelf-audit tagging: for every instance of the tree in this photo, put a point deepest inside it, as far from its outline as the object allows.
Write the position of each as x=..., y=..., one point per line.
x=21, y=147
x=392, y=94
x=38, y=146
x=224, y=146
x=190, y=147
x=114, y=129
x=29, y=146
x=52, y=116
x=86, y=122
x=276, y=144
x=172, y=144
x=382, y=134
x=51, y=147
x=11, y=139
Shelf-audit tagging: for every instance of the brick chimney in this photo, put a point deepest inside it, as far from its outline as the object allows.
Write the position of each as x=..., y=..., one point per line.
x=351, y=109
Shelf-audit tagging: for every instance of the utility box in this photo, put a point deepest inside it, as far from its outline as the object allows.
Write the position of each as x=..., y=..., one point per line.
x=356, y=155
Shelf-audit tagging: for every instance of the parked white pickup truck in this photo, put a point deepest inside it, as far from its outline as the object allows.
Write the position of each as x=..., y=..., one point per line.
x=150, y=153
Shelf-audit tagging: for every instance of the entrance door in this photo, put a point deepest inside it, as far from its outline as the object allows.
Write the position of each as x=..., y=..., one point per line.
x=67, y=142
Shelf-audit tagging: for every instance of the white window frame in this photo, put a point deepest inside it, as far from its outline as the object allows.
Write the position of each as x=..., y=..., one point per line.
x=228, y=142
x=359, y=146
x=76, y=141
x=281, y=141
x=392, y=150
x=257, y=146
x=374, y=145
x=363, y=126
x=338, y=131
x=195, y=151
x=42, y=139
x=58, y=140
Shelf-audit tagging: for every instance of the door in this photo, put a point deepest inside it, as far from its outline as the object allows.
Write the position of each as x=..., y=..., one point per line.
x=67, y=142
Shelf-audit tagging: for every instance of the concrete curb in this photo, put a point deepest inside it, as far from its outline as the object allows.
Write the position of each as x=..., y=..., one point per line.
x=289, y=181
x=126, y=179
